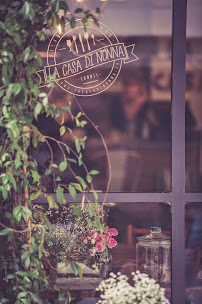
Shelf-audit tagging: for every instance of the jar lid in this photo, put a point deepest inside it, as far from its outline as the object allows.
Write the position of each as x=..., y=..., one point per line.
x=155, y=237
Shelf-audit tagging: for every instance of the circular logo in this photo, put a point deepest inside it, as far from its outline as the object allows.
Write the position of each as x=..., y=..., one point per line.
x=85, y=61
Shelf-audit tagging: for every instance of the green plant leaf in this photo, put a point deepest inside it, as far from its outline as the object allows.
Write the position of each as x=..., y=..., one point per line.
x=82, y=182
x=48, y=171
x=62, y=130
x=75, y=268
x=89, y=178
x=72, y=192
x=35, y=195
x=5, y=231
x=72, y=160
x=77, y=210
x=91, y=209
x=77, y=145
x=27, y=262
x=63, y=165
x=59, y=195
x=37, y=110
x=51, y=201
x=90, y=224
x=94, y=172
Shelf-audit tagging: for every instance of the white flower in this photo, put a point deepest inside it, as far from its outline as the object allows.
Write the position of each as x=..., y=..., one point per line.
x=116, y=290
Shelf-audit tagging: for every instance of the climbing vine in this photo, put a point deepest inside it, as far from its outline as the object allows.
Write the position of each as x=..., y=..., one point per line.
x=26, y=253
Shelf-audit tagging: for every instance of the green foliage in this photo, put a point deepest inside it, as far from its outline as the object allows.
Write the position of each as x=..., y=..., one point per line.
x=23, y=231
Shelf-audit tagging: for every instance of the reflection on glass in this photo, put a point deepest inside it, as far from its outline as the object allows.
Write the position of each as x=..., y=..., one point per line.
x=134, y=113
x=193, y=97
x=193, y=253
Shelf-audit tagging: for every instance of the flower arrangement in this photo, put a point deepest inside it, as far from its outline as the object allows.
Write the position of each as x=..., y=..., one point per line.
x=100, y=241
x=116, y=290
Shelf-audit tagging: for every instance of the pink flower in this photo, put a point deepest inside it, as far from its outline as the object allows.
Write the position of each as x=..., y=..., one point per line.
x=98, y=239
x=99, y=247
x=112, y=232
x=93, y=251
x=105, y=238
x=112, y=243
x=84, y=240
x=92, y=235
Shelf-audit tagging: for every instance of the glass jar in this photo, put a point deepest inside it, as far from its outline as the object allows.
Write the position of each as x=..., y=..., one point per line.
x=153, y=255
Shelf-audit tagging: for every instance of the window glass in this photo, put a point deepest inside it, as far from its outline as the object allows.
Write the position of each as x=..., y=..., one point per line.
x=128, y=101
x=193, y=253
x=138, y=244
x=193, y=114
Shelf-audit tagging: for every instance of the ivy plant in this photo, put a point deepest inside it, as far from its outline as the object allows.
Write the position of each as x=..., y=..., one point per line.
x=26, y=253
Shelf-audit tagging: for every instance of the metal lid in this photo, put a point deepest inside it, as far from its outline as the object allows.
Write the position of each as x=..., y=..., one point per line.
x=154, y=237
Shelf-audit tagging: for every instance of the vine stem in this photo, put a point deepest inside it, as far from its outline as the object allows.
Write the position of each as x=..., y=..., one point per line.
x=14, y=230
x=106, y=150
x=26, y=193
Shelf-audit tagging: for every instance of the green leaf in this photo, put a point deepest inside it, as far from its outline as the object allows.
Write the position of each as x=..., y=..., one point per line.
x=59, y=195
x=27, y=262
x=54, y=165
x=77, y=186
x=91, y=209
x=58, y=179
x=48, y=224
x=36, y=176
x=82, y=182
x=17, y=213
x=27, y=210
x=5, y=231
x=72, y=160
x=63, y=165
x=35, y=195
x=89, y=223
x=51, y=201
x=77, y=145
x=4, y=193
x=72, y=192
x=36, y=298
x=89, y=178
x=10, y=276
x=26, y=54
x=12, y=180
x=77, y=210
x=4, y=300
x=37, y=110
x=62, y=130
x=45, y=101
x=48, y=171
x=26, y=8
x=94, y=172
x=95, y=195
x=75, y=268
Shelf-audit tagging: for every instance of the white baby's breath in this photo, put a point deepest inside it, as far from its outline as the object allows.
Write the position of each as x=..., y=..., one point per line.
x=116, y=290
